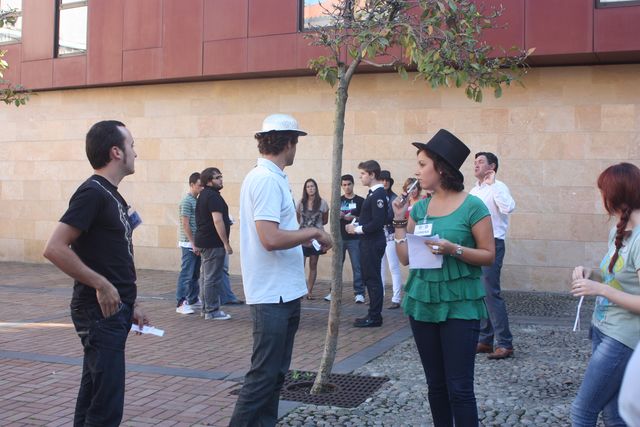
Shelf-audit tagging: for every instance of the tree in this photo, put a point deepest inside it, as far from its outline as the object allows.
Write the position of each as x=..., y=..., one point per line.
x=439, y=39
x=10, y=93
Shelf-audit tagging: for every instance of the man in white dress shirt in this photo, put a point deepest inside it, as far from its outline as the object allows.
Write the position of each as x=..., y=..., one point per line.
x=495, y=194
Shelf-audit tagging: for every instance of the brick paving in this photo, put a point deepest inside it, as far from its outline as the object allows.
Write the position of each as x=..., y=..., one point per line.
x=181, y=379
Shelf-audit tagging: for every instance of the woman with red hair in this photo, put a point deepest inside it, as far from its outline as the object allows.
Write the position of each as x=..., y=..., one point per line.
x=615, y=326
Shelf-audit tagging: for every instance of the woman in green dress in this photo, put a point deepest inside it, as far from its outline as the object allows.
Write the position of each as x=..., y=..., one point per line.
x=445, y=304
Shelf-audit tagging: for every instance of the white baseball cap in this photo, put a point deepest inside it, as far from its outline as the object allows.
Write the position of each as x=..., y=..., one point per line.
x=280, y=123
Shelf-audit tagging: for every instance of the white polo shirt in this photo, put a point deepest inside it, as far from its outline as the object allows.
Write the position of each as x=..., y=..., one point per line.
x=267, y=276
x=500, y=204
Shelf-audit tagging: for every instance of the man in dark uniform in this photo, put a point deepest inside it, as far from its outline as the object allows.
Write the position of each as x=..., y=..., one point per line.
x=372, y=241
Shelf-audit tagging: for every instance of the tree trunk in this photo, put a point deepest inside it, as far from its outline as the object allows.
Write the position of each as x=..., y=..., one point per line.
x=333, y=327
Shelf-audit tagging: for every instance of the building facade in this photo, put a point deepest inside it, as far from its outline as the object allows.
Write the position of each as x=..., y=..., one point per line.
x=194, y=79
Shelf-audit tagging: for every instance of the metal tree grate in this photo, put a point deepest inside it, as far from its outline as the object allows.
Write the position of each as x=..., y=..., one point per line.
x=344, y=390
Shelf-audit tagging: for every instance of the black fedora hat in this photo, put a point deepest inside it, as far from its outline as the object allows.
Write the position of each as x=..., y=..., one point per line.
x=385, y=175
x=449, y=147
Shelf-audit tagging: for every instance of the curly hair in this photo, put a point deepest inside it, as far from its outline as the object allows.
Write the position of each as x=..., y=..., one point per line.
x=619, y=185
x=275, y=142
x=450, y=178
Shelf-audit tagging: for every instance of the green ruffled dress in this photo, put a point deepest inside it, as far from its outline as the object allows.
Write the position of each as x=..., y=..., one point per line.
x=454, y=291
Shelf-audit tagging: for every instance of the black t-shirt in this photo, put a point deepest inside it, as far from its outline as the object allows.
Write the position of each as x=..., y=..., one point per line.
x=210, y=201
x=352, y=207
x=105, y=245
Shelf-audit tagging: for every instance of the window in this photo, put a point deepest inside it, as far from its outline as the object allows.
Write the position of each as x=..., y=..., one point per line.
x=11, y=33
x=71, y=28
x=313, y=13
x=616, y=3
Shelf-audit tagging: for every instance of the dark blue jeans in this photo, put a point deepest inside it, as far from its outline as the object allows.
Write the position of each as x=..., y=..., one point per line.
x=274, y=329
x=371, y=253
x=187, y=287
x=498, y=323
x=448, y=354
x=101, y=395
x=353, y=247
x=601, y=384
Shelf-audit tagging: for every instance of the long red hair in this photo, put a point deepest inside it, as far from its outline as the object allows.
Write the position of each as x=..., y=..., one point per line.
x=620, y=188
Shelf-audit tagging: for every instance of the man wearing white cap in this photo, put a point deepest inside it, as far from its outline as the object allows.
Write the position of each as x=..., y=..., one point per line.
x=272, y=269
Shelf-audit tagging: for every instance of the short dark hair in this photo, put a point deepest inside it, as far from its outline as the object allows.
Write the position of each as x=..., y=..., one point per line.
x=371, y=166
x=206, y=176
x=194, y=177
x=450, y=178
x=492, y=159
x=275, y=142
x=99, y=140
x=347, y=177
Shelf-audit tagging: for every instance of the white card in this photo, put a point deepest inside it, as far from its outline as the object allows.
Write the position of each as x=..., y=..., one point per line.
x=420, y=255
x=147, y=330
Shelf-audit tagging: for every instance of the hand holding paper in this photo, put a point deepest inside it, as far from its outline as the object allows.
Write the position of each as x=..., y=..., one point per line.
x=147, y=330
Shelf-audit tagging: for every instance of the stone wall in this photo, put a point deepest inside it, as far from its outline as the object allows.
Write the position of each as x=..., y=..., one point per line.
x=553, y=137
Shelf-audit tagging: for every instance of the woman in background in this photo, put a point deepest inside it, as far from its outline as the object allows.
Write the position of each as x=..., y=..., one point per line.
x=312, y=211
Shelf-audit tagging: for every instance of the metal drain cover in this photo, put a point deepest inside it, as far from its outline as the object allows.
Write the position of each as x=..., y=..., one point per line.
x=344, y=390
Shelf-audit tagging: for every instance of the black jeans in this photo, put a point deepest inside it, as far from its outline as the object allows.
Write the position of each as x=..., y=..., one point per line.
x=371, y=253
x=448, y=354
x=274, y=329
x=101, y=395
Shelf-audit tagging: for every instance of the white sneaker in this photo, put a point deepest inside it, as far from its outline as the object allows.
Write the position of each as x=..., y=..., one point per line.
x=359, y=299
x=184, y=308
x=217, y=315
x=328, y=297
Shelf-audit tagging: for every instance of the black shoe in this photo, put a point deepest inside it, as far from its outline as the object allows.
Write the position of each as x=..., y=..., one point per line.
x=234, y=302
x=367, y=323
x=393, y=306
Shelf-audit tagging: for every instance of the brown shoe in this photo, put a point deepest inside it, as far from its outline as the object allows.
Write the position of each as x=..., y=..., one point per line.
x=393, y=306
x=500, y=353
x=483, y=348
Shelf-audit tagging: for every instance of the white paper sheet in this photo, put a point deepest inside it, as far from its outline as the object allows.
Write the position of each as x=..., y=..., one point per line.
x=147, y=330
x=420, y=255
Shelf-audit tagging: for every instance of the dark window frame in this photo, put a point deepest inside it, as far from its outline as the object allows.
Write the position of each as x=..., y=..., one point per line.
x=617, y=3
x=10, y=42
x=56, y=31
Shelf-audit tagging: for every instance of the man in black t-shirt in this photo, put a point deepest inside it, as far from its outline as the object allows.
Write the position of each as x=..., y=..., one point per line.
x=92, y=244
x=350, y=206
x=212, y=237
x=372, y=240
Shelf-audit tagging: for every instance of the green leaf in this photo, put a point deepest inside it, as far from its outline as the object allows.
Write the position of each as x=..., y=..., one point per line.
x=498, y=91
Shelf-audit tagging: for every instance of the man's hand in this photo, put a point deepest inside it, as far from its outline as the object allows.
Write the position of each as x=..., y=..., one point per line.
x=139, y=317
x=490, y=177
x=108, y=298
x=325, y=240
x=228, y=248
x=350, y=228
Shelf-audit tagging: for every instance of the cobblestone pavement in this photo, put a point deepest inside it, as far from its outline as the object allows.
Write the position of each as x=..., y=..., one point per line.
x=533, y=388
x=184, y=378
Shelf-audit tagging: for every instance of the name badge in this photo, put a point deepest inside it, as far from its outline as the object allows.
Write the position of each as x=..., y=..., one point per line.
x=134, y=218
x=423, y=230
x=352, y=206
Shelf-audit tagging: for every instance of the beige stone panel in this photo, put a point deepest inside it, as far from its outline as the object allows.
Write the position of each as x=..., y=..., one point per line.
x=578, y=200
x=569, y=173
x=161, y=127
x=235, y=170
x=517, y=277
x=522, y=172
x=160, y=213
x=167, y=236
x=40, y=129
x=68, y=170
x=11, y=249
x=634, y=149
x=544, y=145
x=316, y=123
x=292, y=103
x=558, y=119
x=416, y=121
x=378, y=122
x=440, y=119
x=167, y=108
x=594, y=252
x=157, y=258
x=9, y=132
x=174, y=171
x=609, y=145
x=418, y=95
x=319, y=148
x=529, y=199
x=526, y=119
x=33, y=250
x=146, y=235
x=525, y=226
x=553, y=226
x=588, y=117
x=494, y=119
x=618, y=118
x=12, y=190
x=147, y=148
x=47, y=190
x=140, y=193
x=43, y=229
x=16, y=228
x=552, y=279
